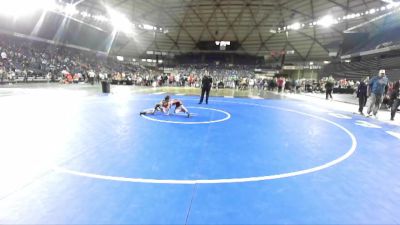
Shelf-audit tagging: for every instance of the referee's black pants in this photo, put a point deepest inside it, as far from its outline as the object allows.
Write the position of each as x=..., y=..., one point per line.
x=362, y=99
x=395, y=106
x=204, y=90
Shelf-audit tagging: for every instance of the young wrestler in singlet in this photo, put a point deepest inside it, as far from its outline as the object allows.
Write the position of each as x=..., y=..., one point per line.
x=179, y=107
x=162, y=106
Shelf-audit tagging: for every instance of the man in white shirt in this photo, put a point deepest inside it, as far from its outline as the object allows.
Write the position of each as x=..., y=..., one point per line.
x=91, y=76
x=3, y=55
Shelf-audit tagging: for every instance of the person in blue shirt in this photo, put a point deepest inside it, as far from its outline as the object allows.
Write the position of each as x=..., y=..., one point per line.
x=377, y=87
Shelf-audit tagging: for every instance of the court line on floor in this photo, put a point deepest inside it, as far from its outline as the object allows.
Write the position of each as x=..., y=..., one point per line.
x=394, y=134
x=232, y=180
x=254, y=97
x=158, y=93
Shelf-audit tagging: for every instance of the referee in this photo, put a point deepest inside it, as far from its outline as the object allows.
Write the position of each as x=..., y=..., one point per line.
x=206, y=84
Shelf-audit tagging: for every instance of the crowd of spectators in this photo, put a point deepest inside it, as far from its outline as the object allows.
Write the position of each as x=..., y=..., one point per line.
x=27, y=60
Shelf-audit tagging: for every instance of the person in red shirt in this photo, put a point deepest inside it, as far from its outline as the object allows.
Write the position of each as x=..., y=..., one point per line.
x=68, y=78
x=280, y=83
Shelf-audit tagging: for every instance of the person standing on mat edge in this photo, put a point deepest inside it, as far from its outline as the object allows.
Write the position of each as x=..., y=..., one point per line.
x=329, y=88
x=396, y=99
x=206, y=84
x=362, y=96
x=377, y=86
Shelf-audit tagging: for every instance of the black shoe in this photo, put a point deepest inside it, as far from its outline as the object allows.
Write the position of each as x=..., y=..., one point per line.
x=206, y=103
x=199, y=103
x=141, y=113
x=188, y=115
x=391, y=119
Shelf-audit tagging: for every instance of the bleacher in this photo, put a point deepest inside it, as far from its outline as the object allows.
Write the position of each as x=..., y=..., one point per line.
x=365, y=66
x=379, y=51
x=377, y=41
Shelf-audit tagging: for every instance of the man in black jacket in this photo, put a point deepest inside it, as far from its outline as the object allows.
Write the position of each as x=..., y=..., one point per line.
x=329, y=88
x=362, y=96
x=206, y=84
x=396, y=99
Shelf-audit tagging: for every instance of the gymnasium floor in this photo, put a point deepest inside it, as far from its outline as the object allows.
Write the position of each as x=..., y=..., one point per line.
x=71, y=155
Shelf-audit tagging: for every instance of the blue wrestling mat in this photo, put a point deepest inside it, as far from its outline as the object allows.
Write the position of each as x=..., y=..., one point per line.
x=94, y=160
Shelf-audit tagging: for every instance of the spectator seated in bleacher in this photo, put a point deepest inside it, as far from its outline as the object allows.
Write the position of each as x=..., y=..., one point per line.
x=68, y=79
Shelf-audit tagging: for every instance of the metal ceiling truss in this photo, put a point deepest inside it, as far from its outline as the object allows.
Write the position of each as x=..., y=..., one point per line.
x=189, y=21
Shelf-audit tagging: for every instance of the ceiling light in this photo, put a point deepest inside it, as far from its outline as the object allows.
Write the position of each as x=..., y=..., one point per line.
x=100, y=18
x=295, y=26
x=148, y=27
x=120, y=21
x=70, y=9
x=85, y=14
x=393, y=5
x=290, y=52
x=326, y=21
